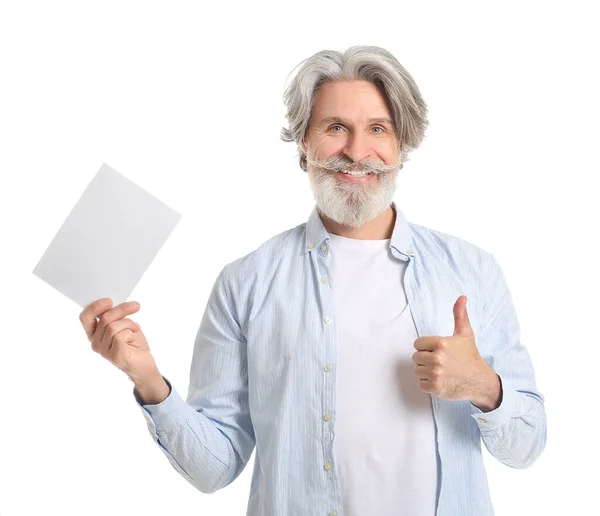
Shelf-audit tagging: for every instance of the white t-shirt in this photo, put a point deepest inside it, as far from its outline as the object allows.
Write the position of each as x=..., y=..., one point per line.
x=384, y=431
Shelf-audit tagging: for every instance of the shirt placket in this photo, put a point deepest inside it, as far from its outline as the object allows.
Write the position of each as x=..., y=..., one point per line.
x=327, y=366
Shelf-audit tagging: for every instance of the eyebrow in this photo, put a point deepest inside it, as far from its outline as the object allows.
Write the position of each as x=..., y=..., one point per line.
x=337, y=119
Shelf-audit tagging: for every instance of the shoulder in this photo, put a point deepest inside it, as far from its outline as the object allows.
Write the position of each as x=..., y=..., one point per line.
x=445, y=245
x=266, y=256
x=443, y=255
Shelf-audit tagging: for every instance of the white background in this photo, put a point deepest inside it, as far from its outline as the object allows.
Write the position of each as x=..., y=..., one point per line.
x=186, y=100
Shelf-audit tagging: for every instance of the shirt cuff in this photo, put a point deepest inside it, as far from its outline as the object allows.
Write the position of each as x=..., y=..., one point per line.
x=501, y=415
x=165, y=414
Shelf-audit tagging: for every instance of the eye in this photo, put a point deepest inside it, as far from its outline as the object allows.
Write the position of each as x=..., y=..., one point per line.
x=336, y=125
x=378, y=127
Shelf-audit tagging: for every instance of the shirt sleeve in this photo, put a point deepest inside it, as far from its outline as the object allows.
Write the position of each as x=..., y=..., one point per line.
x=209, y=438
x=514, y=432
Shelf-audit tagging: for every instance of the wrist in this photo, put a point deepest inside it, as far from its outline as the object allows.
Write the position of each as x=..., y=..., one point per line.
x=491, y=395
x=152, y=390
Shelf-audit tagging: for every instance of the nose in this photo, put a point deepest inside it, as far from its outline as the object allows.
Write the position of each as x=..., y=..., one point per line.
x=357, y=147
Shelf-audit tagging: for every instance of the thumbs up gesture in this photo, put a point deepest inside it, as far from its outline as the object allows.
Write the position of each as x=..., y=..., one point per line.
x=452, y=368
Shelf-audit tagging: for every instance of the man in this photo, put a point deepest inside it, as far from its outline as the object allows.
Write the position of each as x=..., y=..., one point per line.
x=342, y=349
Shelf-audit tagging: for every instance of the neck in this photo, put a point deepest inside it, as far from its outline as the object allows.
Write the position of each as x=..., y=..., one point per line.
x=380, y=228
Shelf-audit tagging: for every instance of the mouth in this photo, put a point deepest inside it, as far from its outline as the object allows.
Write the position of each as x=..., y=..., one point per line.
x=356, y=177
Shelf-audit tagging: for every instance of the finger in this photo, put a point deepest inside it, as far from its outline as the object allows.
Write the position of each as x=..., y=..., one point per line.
x=117, y=351
x=102, y=346
x=426, y=386
x=91, y=312
x=114, y=314
x=117, y=330
x=422, y=372
x=422, y=357
x=430, y=343
x=135, y=327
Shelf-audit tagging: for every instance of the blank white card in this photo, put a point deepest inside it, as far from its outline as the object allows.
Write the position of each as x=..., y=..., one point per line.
x=108, y=240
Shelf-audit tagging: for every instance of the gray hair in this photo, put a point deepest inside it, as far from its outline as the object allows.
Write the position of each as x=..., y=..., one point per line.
x=369, y=63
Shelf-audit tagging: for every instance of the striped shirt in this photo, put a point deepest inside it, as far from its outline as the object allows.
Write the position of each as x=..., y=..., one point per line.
x=263, y=373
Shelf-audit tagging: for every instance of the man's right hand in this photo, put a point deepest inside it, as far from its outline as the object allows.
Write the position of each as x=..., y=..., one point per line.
x=122, y=342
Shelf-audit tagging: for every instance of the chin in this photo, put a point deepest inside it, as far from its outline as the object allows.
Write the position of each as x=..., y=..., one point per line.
x=352, y=204
x=351, y=214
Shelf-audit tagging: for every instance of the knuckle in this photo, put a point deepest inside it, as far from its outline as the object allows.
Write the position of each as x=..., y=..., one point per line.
x=123, y=336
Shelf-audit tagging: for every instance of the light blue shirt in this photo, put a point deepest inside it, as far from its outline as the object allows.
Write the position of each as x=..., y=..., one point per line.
x=263, y=375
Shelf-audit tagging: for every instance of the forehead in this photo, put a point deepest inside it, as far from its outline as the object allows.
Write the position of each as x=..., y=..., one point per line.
x=361, y=100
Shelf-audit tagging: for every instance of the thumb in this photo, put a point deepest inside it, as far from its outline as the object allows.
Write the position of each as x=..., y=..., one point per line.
x=462, y=326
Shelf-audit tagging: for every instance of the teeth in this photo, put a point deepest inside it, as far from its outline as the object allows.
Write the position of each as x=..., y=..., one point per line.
x=357, y=174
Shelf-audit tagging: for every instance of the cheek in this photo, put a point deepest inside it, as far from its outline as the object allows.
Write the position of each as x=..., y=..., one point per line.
x=327, y=147
x=387, y=151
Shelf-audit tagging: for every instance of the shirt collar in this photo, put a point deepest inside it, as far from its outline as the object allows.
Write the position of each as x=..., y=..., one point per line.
x=401, y=240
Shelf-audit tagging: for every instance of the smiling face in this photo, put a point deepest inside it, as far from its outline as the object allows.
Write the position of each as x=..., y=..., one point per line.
x=351, y=130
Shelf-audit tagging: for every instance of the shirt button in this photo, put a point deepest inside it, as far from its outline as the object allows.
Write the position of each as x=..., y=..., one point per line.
x=327, y=417
x=328, y=466
x=327, y=320
x=481, y=421
x=333, y=513
x=311, y=246
x=327, y=368
x=324, y=280
x=409, y=251
x=324, y=247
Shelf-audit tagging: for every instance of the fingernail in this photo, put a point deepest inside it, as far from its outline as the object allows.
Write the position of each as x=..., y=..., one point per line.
x=135, y=304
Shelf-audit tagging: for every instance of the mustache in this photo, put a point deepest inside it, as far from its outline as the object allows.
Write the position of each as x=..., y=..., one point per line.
x=344, y=164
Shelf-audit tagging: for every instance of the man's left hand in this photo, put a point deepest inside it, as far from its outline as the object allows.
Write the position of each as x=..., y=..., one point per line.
x=451, y=367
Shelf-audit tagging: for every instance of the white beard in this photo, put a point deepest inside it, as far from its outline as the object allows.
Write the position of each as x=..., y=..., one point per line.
x=352, y=204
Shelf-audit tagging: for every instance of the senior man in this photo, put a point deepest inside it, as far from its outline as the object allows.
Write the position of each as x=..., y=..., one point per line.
x=342, y=349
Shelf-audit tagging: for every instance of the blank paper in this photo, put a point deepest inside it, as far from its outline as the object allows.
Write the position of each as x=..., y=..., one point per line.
x=108, y=240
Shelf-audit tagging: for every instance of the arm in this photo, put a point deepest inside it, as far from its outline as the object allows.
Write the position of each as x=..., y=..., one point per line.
x=515, y=431
x=209, y=438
